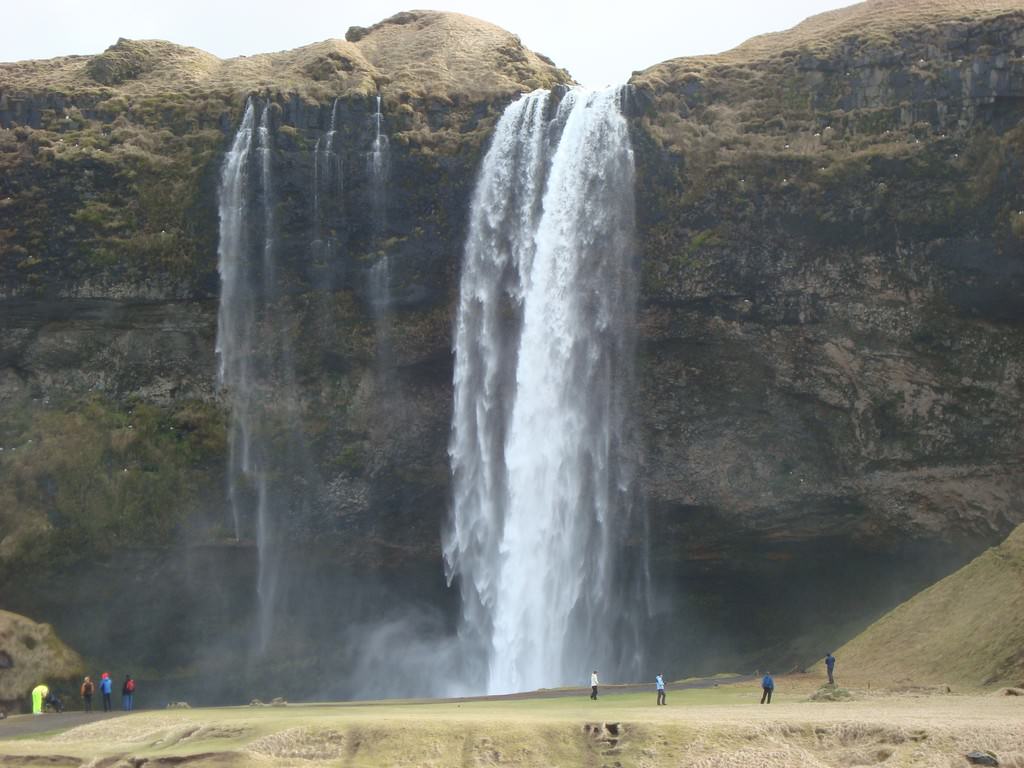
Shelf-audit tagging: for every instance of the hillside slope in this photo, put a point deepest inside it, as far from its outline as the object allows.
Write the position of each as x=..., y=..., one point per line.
x=966, y=630
x=411, y=54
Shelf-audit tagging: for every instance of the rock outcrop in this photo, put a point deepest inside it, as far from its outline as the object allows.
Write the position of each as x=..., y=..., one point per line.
x=31, y=654
x=830, y=334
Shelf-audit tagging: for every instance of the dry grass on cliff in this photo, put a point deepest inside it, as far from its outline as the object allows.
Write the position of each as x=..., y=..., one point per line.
x=716, y=728
x=417, y=54
x=872, y=22
x=966, y=631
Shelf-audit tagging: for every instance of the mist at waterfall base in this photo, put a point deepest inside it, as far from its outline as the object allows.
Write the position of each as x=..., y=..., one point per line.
x=546, y=570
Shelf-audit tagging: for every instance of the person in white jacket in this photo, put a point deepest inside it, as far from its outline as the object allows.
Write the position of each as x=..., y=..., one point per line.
x=593, y=685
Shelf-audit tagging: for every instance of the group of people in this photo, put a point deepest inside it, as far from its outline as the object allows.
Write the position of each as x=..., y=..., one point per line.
x=43, y=698
x=88, y=690
x=767, y=682
x=659, y=683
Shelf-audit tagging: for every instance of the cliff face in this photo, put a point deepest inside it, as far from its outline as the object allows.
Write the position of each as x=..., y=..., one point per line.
x=832, y=251
x=830, y=334
x=832, y=243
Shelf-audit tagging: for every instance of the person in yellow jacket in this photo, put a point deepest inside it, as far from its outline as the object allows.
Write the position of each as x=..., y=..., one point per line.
x=39, y=694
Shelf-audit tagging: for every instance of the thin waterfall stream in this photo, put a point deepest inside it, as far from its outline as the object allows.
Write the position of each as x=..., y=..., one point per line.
x=380, y=273
x=255, y=369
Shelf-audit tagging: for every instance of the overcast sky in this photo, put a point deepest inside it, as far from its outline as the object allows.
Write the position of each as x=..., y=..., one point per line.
x=599, y=42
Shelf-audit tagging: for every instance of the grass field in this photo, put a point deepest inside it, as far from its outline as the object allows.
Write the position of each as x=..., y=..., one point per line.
x=709, y=728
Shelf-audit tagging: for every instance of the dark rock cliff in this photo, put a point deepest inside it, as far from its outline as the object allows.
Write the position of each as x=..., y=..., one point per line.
x=830, y=351
x=832, y=246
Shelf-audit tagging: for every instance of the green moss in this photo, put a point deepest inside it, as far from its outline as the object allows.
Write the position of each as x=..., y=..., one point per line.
x=352, y=459
x=101, y=474
x=100, y=216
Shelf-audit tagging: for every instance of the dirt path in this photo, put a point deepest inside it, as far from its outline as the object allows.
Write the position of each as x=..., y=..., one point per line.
x=28, y=725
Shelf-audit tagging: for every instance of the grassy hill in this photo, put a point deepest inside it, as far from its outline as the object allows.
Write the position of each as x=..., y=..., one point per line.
x=876, y=21
x=30, y=654
x=411, y=55
x=967, y=630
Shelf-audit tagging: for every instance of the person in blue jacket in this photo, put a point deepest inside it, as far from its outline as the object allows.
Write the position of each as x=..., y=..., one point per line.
x=105, y=685
x=767, y=686
x=659, y=683
x=830, y=664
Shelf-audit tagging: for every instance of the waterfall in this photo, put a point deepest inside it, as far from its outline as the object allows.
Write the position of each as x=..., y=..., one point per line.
x=379, y=286
x=540, y=456
x=378, y=171
x=326, y=179
x=236, y=315
x=253, y=360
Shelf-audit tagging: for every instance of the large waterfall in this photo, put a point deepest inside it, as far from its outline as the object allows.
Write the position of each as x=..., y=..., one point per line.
x=543, y=358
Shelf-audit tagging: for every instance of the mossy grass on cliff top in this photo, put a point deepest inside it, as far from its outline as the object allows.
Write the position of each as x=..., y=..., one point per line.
x=965, y=631
x=873, y=22
x=418, y=54
x=880, y=72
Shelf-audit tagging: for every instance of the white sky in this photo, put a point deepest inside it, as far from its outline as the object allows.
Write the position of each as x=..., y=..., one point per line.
x=599, y=42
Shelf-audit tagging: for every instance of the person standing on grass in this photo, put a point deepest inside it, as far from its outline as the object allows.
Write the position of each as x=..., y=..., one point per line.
x=106, y=684
x=593, y=685
x=830, y=664
x=767, y=686
x=88, y=689
x=128, y=694
x=659, y=683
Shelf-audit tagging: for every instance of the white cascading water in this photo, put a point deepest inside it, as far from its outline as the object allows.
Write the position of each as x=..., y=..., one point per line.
x=380, y=272
x=266, y=582
x=247, y=288
x=378, y=170
x=326, y=172
x=236, y=315
x=543, y=360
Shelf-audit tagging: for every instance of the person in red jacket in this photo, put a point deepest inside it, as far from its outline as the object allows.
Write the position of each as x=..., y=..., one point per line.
x=128, y=694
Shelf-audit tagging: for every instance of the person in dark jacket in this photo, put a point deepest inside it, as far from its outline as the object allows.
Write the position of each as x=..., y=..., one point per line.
x=128, y=694
x=88, y=689
x=767, y=686
x=830, y=664
x=51, y=701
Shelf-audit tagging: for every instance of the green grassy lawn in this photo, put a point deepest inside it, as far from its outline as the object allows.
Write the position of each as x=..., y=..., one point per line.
x=723, y=726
